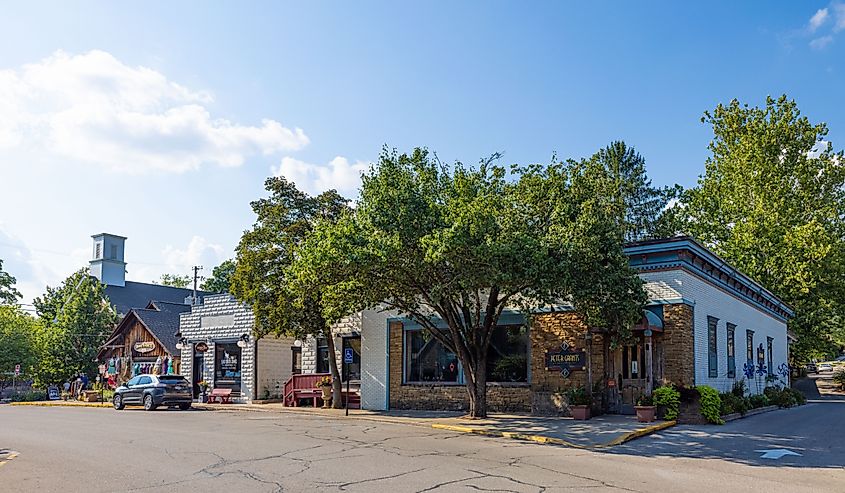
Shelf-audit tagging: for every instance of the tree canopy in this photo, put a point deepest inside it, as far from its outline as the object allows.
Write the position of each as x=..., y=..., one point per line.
x=17, y=338
x=175, y=280
x=458, y=246
x=8, y=294
x=771, y=202
x=282, y=304
x=220, y=278
x=75, y=319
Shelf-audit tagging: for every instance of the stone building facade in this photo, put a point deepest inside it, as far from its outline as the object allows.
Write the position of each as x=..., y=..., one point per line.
x=703, y=322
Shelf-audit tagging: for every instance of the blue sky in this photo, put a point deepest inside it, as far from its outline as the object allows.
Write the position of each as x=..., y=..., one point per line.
x=159, y=121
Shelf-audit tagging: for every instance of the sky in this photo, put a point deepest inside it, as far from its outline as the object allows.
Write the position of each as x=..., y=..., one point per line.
x=160, y=121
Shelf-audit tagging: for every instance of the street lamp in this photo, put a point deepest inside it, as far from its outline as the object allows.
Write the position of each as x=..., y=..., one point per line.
x=242, y=342
x=182, y=344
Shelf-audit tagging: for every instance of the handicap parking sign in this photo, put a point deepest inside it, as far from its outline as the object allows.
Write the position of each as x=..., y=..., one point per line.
x=347, y=355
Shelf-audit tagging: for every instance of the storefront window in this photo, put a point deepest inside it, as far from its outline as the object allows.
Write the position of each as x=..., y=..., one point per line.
x=322, y=355
x=352, y=371
x=227, y=365
x=427, y=360
x=296, y=360
x=731, y=329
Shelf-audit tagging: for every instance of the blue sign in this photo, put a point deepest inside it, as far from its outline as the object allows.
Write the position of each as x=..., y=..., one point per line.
x=348, y=355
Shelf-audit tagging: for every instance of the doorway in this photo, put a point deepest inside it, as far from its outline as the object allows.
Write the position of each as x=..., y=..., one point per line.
x=352, y=371
x=631, y=379
x=196, y=370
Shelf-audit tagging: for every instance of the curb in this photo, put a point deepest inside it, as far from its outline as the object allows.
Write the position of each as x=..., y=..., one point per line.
x=556, y=441
x=63, y=404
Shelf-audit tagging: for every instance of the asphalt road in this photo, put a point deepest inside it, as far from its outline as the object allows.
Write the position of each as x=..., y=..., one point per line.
x=92, y=450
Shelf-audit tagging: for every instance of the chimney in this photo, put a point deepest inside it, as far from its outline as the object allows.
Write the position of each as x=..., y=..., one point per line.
x=107, y=263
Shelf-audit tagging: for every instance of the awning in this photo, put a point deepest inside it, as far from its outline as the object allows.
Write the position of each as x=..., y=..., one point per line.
x=650, y=321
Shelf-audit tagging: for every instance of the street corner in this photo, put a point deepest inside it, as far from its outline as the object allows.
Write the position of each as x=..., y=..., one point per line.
x=6, y=455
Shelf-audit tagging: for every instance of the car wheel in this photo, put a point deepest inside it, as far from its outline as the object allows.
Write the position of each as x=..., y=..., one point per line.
x=184, y=407
x=148, y=403
x=117, y=401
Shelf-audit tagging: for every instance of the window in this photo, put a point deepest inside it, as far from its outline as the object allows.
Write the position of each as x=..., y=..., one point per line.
x=427, y=360
x=352, y=371
x=145, y=381
x=296, y=360
x=98, y=250
x=712, y=354
x=322, y=355
x=749, y=346
x=633, y=362
x=731, y=351
x=113, y=252
x=769, y=341
x=227, y=365
x=507, y=357
x=133, y=381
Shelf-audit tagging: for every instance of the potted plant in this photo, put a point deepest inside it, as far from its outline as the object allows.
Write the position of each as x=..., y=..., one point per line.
x=325, y=386
x=203, y=385
x=645, y=408
x=579, y=402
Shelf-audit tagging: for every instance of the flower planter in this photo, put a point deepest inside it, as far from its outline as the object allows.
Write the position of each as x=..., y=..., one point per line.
x=327, y=395
x=580, y=412
x=645, y=414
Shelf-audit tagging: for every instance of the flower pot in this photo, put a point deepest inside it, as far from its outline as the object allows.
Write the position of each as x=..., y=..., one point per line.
x=645, y=414
x=327, y=395
x=580, y=412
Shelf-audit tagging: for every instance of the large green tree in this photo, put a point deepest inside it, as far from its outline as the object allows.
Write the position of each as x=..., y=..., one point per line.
x=75, y=319
x=772, y=202
x=174, y=280
x=457, y=246
x=221, y=277
x=8, y=294
x=17, y=340
x=281, y=304
x=645, y=206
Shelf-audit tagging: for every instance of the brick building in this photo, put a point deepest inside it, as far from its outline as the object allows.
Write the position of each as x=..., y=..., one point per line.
x=703, y=323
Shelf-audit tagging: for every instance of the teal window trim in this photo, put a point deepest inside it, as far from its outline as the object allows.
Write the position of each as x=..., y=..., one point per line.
x=731, y=350
x=769, y=344
x=712, y=347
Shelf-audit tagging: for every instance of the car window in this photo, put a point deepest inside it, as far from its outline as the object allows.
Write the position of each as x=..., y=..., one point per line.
x=133, y=381
x=145, y=381
x=172, y=379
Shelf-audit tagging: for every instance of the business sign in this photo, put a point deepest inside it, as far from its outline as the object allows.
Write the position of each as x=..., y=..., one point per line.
x=201, y=347
x=348, y=355
x=144, y=346
x=53, y=393
x=566, y=360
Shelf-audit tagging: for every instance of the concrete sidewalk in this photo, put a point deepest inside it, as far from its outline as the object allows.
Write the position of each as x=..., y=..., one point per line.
x=598, y=432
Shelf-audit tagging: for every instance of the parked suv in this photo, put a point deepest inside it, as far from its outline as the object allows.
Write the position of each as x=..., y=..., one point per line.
x=152, y=391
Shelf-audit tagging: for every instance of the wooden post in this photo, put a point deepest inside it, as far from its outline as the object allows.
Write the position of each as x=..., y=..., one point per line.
x=649, y=373
x=588, y=338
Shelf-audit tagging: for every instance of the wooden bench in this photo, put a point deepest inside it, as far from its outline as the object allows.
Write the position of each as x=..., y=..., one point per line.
x=222, y=394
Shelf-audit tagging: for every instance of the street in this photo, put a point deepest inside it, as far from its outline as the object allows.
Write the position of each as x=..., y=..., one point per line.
x=93, y=450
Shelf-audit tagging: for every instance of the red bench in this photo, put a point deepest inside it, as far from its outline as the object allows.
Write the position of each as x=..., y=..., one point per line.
x=222, y=394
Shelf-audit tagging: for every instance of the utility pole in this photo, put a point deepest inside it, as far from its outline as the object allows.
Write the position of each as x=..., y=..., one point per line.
x=196, y=269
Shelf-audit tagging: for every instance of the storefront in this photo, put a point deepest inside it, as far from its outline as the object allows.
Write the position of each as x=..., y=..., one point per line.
x=699, y=308
x=143, y=342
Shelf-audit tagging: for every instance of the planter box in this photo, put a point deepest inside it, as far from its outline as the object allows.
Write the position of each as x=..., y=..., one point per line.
x=645, y=414
x=580, y=412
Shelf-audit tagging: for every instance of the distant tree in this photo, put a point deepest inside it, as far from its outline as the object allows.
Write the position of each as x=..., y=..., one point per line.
x=455, y=247
x=220, y=278
x=645, y=205
x=8, y=294
x=174, y=280
x=263, y=278
x=17, y=338
x=772, y=202
x=75, y=319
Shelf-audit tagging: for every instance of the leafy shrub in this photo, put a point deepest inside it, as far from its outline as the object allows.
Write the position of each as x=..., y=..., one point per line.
x=645, y=400
x=839, y=378
x=731, y=403
x=758, y=400
x=738, y=388
x=578, y=396
x=688, y=394
x=668, y=396
x=711, y=404
x=784, y=397
x=29, y=396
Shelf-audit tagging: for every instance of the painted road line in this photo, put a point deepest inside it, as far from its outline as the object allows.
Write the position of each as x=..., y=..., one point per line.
x=10, y=454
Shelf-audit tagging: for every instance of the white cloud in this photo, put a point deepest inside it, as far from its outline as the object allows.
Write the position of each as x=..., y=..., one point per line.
x=94, y=108
x=338, y=174
x=839, y=16
x=198, y=252
x=821, y=43
x=818, y=19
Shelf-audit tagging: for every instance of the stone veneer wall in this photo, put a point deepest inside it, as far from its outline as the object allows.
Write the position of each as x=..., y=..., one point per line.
x=500, y=397
x=678, y=345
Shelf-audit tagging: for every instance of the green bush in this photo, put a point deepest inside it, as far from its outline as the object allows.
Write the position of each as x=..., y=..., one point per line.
x=738, y=388
x=784, y=397
x=578, y=396
x=839, y=378
x=758, y=400
x=731, y=403
x=711, y=404
x=29, y=396
x=668, y=396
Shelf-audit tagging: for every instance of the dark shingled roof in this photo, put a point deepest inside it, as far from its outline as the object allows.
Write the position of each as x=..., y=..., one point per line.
x=163, y=324
x=139, y=294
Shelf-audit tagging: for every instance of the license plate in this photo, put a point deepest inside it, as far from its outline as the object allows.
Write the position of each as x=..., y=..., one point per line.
x=180, y=387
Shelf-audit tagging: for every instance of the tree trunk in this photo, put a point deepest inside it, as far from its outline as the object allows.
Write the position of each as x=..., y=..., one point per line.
x=337, y=396
x=477, y=389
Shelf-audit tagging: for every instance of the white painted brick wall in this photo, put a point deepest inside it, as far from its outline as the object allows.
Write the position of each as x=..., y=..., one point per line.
x=709, y=300
x=274, y=365
x=374, y=365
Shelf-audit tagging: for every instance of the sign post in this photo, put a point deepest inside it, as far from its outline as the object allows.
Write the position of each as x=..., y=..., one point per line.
x=348, y=357
x=15, y=377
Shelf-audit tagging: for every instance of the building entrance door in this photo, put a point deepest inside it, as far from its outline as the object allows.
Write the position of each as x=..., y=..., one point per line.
x=631, y=379
x=196, y=370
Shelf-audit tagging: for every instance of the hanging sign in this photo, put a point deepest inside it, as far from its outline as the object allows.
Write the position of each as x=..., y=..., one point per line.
x=566, y=360
x=144, y=346
x=201, y=347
